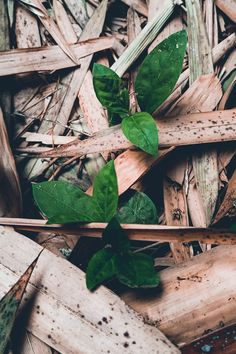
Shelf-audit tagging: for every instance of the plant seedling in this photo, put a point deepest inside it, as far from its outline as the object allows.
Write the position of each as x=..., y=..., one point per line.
x=155, y=81
x=62, y=202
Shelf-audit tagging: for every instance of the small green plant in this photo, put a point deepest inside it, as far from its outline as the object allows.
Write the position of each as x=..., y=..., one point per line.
x=62, y=202
x=155, y=81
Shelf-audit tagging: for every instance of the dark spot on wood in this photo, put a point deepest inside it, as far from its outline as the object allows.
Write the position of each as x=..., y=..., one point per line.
x=126, y=334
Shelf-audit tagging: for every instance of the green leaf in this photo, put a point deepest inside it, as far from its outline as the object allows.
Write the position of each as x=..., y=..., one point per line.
x=160, y=71
x=9, y=306
x=105, y=192
x=60, y=201
x=141, y=130
x=108, y=88
x=64, y=203
x=136, y=270
x=100, y=268
x=140, y=209
x=115, y=236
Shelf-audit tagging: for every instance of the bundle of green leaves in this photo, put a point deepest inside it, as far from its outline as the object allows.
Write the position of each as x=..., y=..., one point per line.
x=61, y=202
x=155, y=81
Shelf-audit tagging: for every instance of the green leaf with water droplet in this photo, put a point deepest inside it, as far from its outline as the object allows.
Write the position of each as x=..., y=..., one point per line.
x=160, y=71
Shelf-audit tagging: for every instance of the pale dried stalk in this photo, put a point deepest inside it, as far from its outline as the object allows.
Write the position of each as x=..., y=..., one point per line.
x=146, y=36
x=136, y=232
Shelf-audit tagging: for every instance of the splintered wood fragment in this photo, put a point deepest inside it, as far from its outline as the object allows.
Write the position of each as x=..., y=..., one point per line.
x=138, y=5
x=48, y=139
x=137, y=232
x=51, y=58
x=189, y=129
x=228, y=7
x=81, y=317
x=228, y=206
x=196, y=296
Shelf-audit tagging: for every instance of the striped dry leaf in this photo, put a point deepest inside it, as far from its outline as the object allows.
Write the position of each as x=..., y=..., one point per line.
x=201, y=63
x=10, y=193
x=186, y=129
x=51, y=58
x=40, y=11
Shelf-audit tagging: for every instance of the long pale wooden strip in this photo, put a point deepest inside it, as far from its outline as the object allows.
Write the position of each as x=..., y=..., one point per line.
x=17, y=61
x=190, y=129
x=196, y=296
x=136, y=232
x=64, y=314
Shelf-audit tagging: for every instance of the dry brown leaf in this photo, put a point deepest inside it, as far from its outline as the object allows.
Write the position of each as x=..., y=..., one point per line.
x=63, y=22
x=53, y=29
x=190, y=129
x=51, y=58
x=10, y=193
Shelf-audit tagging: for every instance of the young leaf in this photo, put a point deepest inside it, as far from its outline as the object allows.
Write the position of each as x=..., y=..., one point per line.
x=115, y=236
x=108, y=89
x=140, y=209
x=59, y=201
x=136, y=270
x=9, y=305
x=141, y=130
x=105, y=192
x=160, y=71
x=100, y=268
